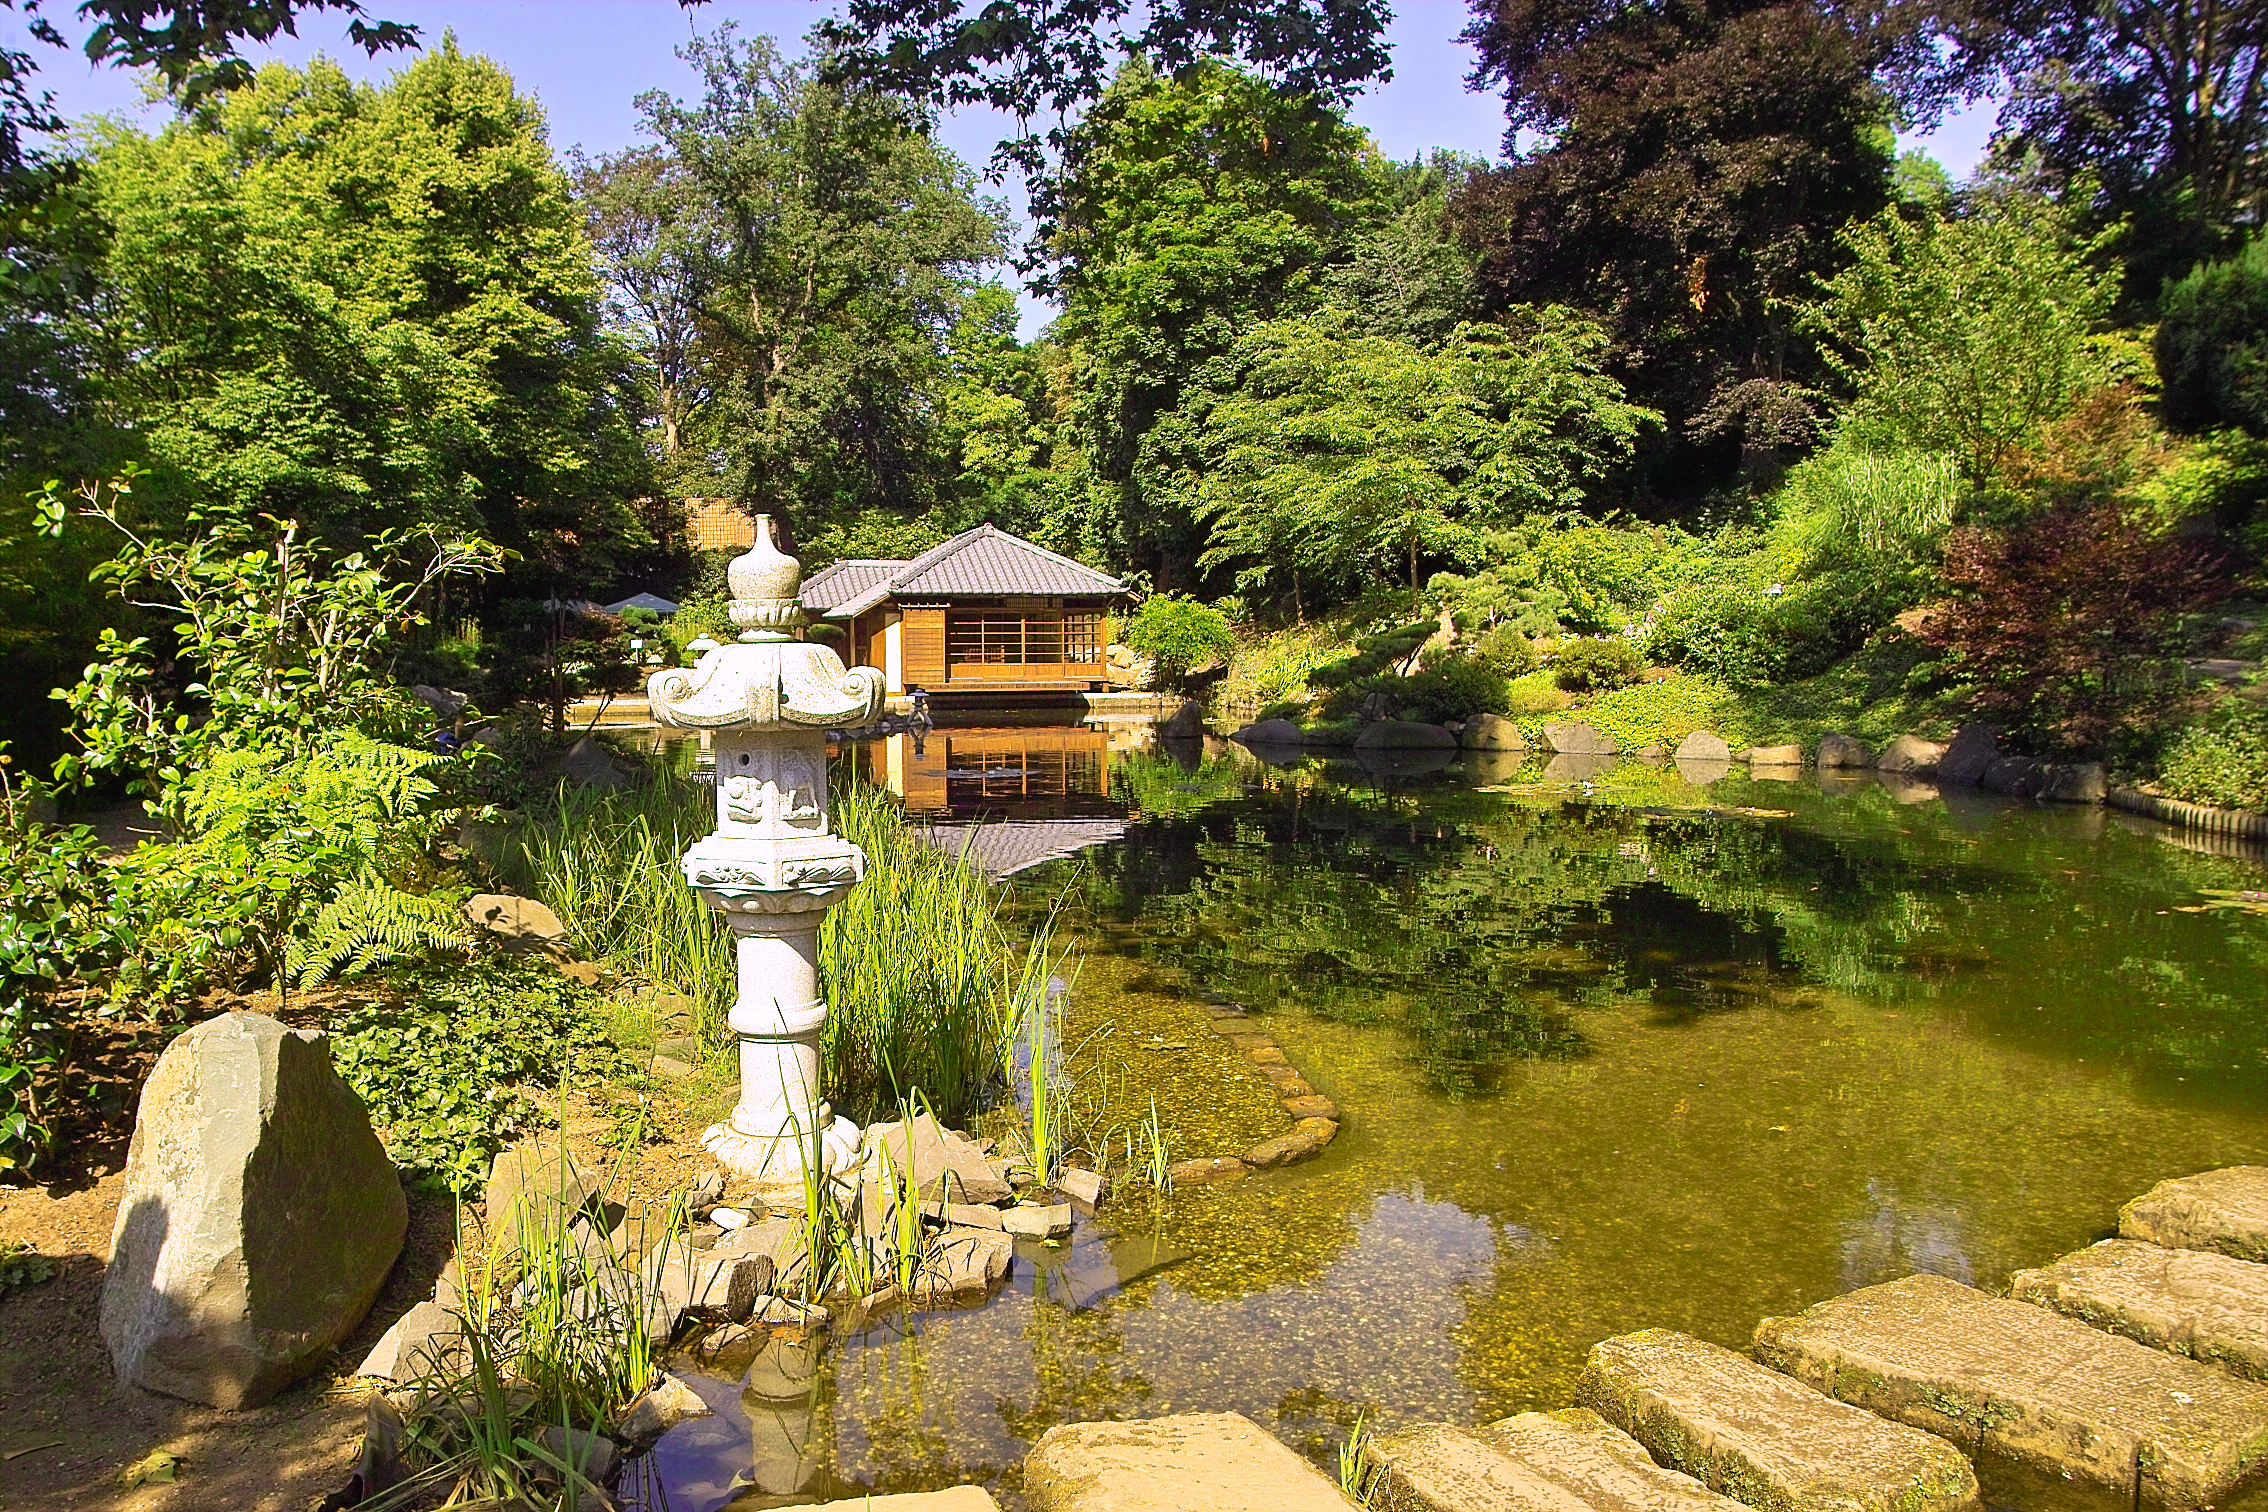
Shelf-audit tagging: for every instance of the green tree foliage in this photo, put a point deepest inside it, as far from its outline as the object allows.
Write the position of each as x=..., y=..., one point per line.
x=1584, y=666
x=1193, y=208
x=1965, y=335
x=848, y=245
x=363, y=309
x=1180, y=635
x=2212, y=344
x=1339, y=457
x=1696, y=163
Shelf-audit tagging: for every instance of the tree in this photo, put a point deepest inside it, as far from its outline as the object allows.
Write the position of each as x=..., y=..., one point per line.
x=1696, y=162
x=1966, y=335
x=363, y=309
x=1179, y=635
x=849, y=245
x=1343, y=457
x=2212, y=344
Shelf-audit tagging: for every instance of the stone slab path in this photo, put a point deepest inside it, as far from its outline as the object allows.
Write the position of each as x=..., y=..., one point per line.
x=2190, y=1302
x=1567, y=1461
x=1762, y=1438
x=2224, y=1210
x=2007, y=1377
x=1196, y=1462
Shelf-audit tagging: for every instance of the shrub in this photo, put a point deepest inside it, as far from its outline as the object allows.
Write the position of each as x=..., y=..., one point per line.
x=1180, y=635
x=1507, y=650
x=1585, y=666
x=2069, y=625
x=2213, y=344
x=1449, y=685
x=2222, y=759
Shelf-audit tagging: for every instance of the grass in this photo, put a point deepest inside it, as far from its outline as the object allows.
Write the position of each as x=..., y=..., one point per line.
x=926, y=986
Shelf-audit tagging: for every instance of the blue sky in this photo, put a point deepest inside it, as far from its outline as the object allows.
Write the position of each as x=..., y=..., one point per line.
x=587, y=60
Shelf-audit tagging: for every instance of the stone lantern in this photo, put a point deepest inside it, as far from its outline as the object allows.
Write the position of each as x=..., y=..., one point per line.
x=772, y=867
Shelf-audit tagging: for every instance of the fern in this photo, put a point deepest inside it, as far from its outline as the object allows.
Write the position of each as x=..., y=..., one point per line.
x=370, y=922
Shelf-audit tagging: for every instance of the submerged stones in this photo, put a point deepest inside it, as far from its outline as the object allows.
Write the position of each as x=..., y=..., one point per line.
x=2031, y=1385
x=2224, y=1210
x=2192, y=1302
x=259, y=1218
x=1764, y=1439
x=1536, y=1461
x=1196, y=1462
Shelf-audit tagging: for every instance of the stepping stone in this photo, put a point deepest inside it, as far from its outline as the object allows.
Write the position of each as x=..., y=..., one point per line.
x=1761, y=1438
x=958, y=1499
x=2192, y=1302
x=2038, y=1388
x=1196, y=1462
x=1536, y=1462
x=2225, y=1210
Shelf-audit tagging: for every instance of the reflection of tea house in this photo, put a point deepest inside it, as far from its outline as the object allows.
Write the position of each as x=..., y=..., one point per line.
x=986, y=612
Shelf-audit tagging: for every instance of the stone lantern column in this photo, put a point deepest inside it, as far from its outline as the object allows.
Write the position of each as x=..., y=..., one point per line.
x=773, y=868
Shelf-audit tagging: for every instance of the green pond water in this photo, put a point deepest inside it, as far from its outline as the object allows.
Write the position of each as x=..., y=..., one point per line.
x=1633, y=1055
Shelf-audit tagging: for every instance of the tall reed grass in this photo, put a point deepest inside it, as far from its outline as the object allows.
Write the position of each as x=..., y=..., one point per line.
x=926, y=984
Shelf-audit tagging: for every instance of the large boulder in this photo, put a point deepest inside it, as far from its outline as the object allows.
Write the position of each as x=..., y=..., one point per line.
x=1973, y=751
x=259, y=1218
x=1572, y=737
x=1491, y=732
x=1910, y=755
x=1196, y=1462
x=945, y=1166
x=1844, y=751
x=2079, y=782
x=520, y=924
x=1270, y=732
x=592, y=765
x=535, y=1190
x=1404, y=735
x=1703, y=745
x=1775, y=756
x=1185, y=723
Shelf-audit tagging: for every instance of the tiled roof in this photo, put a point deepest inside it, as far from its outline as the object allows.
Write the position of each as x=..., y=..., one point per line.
x=983, y=561
x=1005, y=847
x=844, y=581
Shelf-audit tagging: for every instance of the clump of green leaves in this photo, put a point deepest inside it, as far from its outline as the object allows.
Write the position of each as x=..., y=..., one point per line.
x=452, y=1063
x=21, y=1264
x=1180, y=635
x=2222, y=759
x=1594, y=666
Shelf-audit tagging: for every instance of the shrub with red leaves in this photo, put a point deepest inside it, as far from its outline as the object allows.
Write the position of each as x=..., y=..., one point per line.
x=2069, y=625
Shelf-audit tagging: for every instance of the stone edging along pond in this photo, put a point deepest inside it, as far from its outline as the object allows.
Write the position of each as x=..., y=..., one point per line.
x=2196, y=816
x=1315, y=1117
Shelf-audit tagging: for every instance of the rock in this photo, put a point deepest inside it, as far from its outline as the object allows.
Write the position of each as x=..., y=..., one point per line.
x=1538, y=1460
x=2224, y=1210
x=2012, y=776
x=422, y=1342
x=584, y=973
x=1186, y=723
x=534, y=1190
x=1844, y=751
x=729, y=1219
x=1742, y=1429
x=1196, y=1462
x=1775, y=756
x=590, y=1455
x=1911, y=755
x=2030, y=1385
x=1302, y=1141
x=2190, y=1302
x=945, y=1166
x=1403, y=735
x=1962, y=763
x=1201, y=1172
x=1491, y=732
x=591, y=764
x=962, y=1266
x=706, y=1191
x=1702, y=745
x=1270, y=732
x=520, y=924
x=1265, y=1055
x=2074, y=782
x=446, y=703
x=672, y=1070
x=955, y=1499
x=1287, y=1082
x=785, y=1312
x=1031, y=1220
x=258, y=1220
x=1080, y=1186
x=708, y=1282
x=1312, y=1105
x=962, y=1214
x=1572, y=737
x=1653, y=754
x=668, y=1402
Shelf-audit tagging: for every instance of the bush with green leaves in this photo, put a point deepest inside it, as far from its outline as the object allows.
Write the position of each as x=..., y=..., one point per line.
x=1594, y=666
x=2212, y=345
x=455, y=1064
x=1507, y=650
x=1449, y=685
x=1180, y=635
x=2222, y=759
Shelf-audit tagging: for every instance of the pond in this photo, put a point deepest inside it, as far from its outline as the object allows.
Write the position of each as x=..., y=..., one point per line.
x=1614, y=1055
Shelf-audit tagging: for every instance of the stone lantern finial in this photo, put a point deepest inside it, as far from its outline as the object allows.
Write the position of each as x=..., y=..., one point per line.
x=773, y=867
